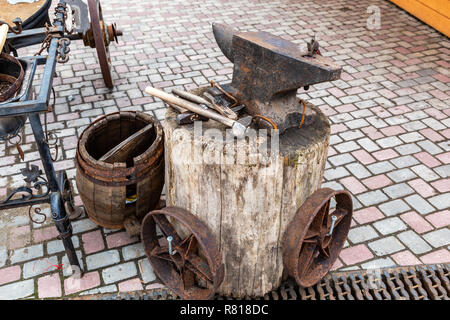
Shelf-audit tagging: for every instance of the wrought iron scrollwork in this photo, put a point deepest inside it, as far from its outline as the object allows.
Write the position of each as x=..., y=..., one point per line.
x=38, y=212
x=32, y=176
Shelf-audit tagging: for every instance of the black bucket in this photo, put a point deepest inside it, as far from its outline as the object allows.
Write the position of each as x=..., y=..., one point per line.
x=11, y=78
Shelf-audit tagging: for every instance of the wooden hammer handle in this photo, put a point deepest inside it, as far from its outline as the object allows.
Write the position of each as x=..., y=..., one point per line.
x=189, y=106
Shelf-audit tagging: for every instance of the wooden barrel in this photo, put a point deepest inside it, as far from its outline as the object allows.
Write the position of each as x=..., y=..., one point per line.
x=114, y=192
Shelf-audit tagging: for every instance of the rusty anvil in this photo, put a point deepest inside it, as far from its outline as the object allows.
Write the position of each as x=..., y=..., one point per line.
x=267, y=72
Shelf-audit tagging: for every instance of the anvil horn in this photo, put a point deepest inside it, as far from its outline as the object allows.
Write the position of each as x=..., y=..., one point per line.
x=224, y=38
x=268, y=70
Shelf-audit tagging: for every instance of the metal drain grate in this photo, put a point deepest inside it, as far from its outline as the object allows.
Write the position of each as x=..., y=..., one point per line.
x=425, y=282
x=429, y=282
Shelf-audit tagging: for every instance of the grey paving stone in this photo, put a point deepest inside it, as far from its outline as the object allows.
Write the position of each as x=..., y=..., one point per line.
x=419, y=204
x=146, y=271
x=335, y=139
x=40, y=266
x=56, y=246
x=362, y=234
x=390, y=225
x=341, y=117
x=445, y=145
x=67, y=269
x=414, y=126
x=133, y=251
x=120, y=272
x=416, y=115
x=358, y=170
x=368, y=145
x=3, y=256
x=386, y=246
x=434, y=124
x=102, y=259
x=347, y=146
x=377, y=122
x=372, y=197
x=105, y=289
x=443, y=171
x=17, y=290
x=398, y=190
x=394, y=207
x=441, y=201
x=389, y=142
x=414, y=242
x=380, y=167
x=401, y=175
x=28, y=253
x=379, y=263
x=83, y=225
x=333, y=174
x=351, y=134
x=356, y=204
x=425, y=173
x=438, y=238
x=406, y=149
x=341, y=159
x=395, y=120
x=430, y=147
x=405, y=161
x=411, y=137
x=333, y=185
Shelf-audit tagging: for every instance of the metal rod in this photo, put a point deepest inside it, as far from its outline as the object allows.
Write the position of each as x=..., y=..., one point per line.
x=16, y=203
x=189, y=105
x=49, y=72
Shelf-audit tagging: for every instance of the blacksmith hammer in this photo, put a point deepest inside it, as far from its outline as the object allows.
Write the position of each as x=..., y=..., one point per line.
x=268, y=70
x=238, y=128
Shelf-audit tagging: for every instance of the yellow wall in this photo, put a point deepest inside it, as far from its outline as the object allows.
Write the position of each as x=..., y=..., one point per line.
x=435, y=13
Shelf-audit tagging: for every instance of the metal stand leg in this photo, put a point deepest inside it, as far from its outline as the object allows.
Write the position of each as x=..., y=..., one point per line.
x=59, y=214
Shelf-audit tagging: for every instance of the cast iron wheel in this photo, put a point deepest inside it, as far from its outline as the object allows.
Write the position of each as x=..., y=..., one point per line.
x=67, y=195
x=315, y=237
x=101, y=40
x=190, y=266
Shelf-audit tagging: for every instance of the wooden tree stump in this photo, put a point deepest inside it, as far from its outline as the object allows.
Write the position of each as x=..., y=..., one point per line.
x=246, y=205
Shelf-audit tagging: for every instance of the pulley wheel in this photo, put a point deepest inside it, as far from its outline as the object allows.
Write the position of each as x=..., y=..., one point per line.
x=101, y=40
x=191, y=266
x=315, y=237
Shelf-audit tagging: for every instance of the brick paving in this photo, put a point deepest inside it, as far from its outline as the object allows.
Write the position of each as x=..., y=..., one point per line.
x=389, y=115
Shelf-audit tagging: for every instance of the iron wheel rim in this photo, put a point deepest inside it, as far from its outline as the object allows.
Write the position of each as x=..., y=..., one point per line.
x=166, y=270
x=308, y=251
x=95, y=13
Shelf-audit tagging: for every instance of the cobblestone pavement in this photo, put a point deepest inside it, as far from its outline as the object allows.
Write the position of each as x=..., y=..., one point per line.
x=389, y=113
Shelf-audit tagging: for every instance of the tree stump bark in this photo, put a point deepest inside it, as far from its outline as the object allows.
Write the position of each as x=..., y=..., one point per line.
x=246, y=205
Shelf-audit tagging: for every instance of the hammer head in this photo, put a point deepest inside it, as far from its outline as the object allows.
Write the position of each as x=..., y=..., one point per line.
x=268, y=70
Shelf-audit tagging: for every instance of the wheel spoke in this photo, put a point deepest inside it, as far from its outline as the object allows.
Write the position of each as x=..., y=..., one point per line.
x=167, y=229
x=325, y=250
x=306, y=257
x=311, y=236
x=319, y=220
x=188, y=278
x=199, y=267
x=340, y=213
